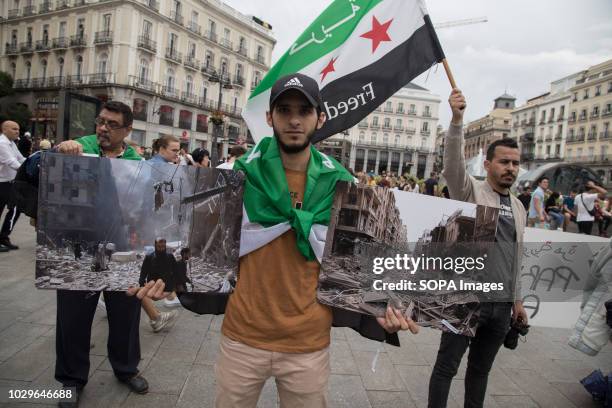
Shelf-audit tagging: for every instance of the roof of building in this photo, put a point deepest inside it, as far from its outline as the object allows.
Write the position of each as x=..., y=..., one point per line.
x=410, y=85
x=505, y=96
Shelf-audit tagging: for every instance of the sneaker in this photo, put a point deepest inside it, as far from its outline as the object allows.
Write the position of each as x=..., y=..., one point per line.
x=172, y=303
x=7, y=243
x=137, y=384
x=164, y=319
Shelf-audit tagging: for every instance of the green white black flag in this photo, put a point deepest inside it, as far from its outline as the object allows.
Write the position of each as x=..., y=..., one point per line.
x=360, y=52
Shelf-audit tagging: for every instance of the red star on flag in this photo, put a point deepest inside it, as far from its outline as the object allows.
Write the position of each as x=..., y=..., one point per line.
x=378, y=33
x=329, y=68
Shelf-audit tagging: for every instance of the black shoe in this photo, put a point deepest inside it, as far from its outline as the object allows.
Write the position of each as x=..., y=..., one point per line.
x=137, y=384
x=71, y=404
x=4, y=248
x=7, y=243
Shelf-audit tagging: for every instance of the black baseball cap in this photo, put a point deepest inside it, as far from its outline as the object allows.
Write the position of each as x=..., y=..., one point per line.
x=300, y=82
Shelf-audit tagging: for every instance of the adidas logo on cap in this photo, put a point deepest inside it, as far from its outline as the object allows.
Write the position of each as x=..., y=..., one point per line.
x=294, y=82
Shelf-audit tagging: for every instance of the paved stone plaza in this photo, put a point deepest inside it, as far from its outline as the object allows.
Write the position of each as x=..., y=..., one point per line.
x=178, y=362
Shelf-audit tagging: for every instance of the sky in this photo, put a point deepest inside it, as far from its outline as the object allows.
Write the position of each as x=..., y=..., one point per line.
x=522, y=47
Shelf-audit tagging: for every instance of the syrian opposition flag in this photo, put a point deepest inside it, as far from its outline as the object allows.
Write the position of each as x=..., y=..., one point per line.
x=360, y=52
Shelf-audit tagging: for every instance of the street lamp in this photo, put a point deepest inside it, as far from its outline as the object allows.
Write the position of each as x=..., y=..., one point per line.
x=217, y=117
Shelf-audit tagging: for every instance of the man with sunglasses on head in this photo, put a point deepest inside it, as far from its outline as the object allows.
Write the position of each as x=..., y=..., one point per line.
x=76, y=309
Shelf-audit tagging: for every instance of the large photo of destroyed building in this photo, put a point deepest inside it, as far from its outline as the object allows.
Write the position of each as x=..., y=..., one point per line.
x=99, y=218
x=369, y=222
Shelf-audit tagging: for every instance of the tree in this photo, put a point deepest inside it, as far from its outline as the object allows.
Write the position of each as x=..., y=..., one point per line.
x=17, y=112
x=6, y=84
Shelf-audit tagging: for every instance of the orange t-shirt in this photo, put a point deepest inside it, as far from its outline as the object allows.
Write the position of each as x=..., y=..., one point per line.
x=274, y=306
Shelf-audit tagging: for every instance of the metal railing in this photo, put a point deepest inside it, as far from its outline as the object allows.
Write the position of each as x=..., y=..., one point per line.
x=243, y=51
x=78, y=40
x=29, y=11
x=194, y=27
x=211, y=35
x=226, y=43
x=103, y=37
x=192, y=62
x=44, y=7
x=26, y=47
x=143, y=83
x=176, y=17
x=62, y=4
x=146, y=43
x=173, y=55
x=43, y=45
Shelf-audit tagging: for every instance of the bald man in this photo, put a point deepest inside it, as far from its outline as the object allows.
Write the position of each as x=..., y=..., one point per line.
x=10, y=160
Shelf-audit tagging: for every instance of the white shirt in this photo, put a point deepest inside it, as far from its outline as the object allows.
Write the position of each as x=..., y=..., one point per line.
x=10, y=159
x=581, y=213
x=226, y=166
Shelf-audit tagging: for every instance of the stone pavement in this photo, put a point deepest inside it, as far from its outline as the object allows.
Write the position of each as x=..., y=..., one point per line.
x=178, y=362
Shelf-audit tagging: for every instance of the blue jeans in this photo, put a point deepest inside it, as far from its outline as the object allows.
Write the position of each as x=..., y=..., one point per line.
x=557, y=217
x=494, y=323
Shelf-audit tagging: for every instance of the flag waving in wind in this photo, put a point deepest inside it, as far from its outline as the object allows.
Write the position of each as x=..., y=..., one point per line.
x=360, y=52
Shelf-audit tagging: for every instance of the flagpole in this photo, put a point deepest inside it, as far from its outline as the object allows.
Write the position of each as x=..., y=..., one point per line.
x=449, y=74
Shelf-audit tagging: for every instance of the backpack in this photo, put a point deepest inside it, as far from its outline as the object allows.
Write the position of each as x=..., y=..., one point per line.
x=24, y=189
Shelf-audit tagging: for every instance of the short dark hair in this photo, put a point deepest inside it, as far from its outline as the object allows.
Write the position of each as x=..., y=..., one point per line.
x=505, y=142
x=198, y=155
x=541, y=179
x=123, y=109
x=237, y=151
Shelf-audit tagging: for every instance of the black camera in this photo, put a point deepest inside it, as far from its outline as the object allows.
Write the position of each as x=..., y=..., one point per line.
x=517, y=329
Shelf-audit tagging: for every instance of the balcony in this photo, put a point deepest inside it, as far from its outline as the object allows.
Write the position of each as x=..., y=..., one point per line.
x=542, y=121
x=78, y=41
x=26, y=47
x=75, y=80
x=375, y=126
x=59, y=43
x=260, y=59
x=194, y=28
x=243, y=51
x=255, y=84
x=596, y=158
x=527, y=138
x=606, y=113
x=400, y=111
x=79, y=3
x=29, y=11
x=398, y=128
x=604, y=135
x=560, y=118
x=62, y=4
x=152, y=4
x=103, y=37
x=226, y=43
x=142, y=84
x=44, y=7
x=558, y=136
x=386, y=127
x=209, y=70
x=594, y=115
x=38, y=82
x=56, y=82
x=363, y=125
x=582, y=118
x=14, y=13
x=427, y=114
x=176, y=17
x=22, y=83
x=173, y=55
x=539, y=139
x=147, y=44
x=548, y=138
x=411, y=113
x=211, y=35
x=11, y=49
x=43, y=45
x=238, y=80
x=388, y=110
x=192, y=62
x=189, y=97
x=425, y=132
x=592, y=136
x=527, y=157
x=572, y=119
x=411, y=131
x=169, y=92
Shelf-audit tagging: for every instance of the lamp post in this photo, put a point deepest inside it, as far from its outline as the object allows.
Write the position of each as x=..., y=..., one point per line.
x=217, y=117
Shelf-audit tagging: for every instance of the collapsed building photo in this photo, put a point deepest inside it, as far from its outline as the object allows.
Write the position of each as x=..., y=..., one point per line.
x=366, y=223
x=98, y=218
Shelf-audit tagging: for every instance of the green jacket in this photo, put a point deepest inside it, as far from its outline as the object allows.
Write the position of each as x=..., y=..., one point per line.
x=91, y=146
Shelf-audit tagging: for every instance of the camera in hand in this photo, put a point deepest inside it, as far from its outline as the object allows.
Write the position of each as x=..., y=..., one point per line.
x=518, y=328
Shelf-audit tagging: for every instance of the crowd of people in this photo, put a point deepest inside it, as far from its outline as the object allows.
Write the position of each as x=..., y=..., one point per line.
x=549, y=209
x=274, y=326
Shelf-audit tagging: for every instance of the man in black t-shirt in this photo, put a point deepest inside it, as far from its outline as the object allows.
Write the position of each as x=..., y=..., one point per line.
x=431, y=185
x=525, y=197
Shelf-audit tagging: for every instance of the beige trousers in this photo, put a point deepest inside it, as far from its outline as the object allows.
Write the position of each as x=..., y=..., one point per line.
x=241, y=371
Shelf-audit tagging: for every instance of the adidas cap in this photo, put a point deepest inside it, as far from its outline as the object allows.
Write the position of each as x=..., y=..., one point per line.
x=300, y=82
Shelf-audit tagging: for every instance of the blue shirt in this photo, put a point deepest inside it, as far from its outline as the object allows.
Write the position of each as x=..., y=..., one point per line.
x=569, y=202
x=539, y=194
x=159, y=159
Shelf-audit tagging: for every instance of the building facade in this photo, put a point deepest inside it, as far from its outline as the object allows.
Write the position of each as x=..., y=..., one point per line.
x=589, y=140
x=398, y=137
x=540, y=126
x=167, y=60
x=479, y=134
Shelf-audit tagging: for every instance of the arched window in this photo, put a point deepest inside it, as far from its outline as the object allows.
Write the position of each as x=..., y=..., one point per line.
x=102, y=63
x=143, y=70
x=43, y=69
x=79, y=66
x=60, y=65
x=361, y=136
x=28, y=65
x=189, y=85
x=170, y=79
x=385, y=138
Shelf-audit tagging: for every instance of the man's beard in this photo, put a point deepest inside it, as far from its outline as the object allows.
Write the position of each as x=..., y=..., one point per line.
x=292, y=149
x=504, y=183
